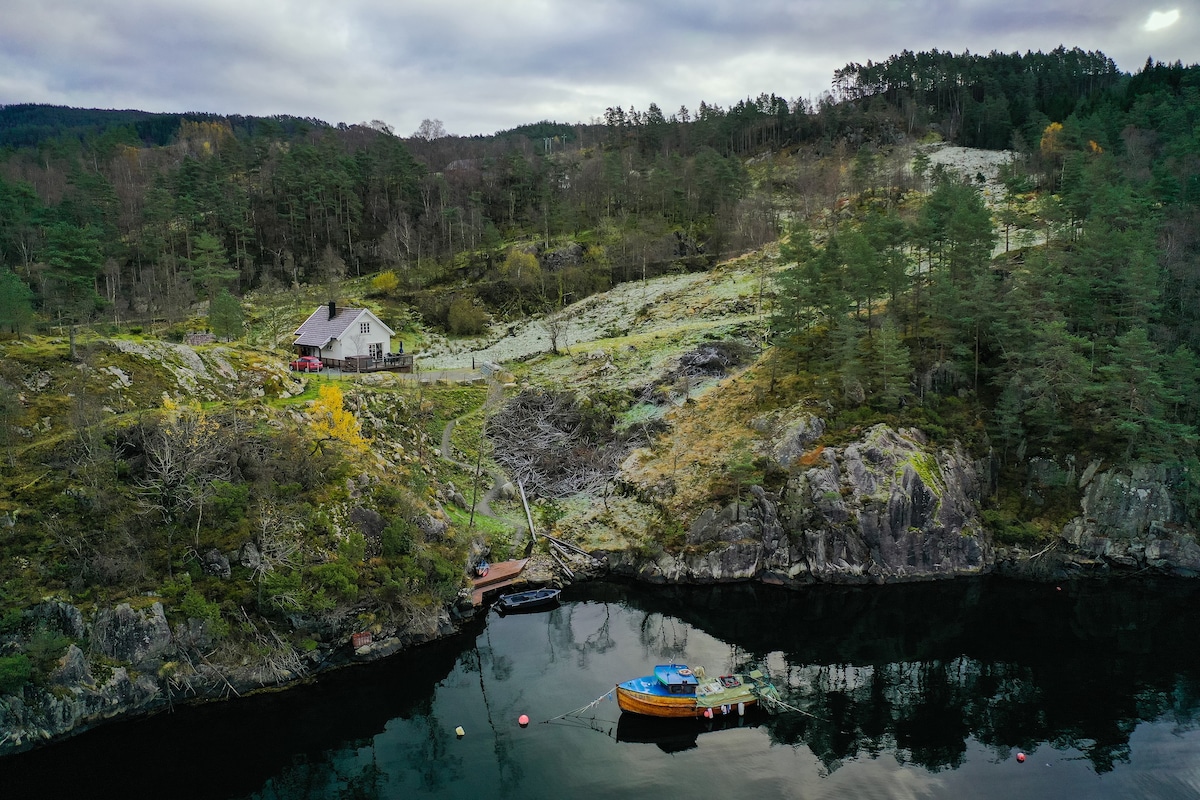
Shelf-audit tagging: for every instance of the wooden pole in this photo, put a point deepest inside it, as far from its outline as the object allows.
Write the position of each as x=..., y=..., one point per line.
x=528, y=516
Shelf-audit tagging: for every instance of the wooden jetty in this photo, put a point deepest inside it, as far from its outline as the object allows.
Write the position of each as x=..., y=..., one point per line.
x=500, y=575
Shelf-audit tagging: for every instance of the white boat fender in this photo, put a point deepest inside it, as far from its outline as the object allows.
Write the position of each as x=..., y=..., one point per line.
x=741, y=709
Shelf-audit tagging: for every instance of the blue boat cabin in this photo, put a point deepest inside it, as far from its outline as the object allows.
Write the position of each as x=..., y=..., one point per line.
x=677, y=678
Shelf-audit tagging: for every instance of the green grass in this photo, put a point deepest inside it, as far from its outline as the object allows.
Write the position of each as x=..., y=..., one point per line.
x=498, y=533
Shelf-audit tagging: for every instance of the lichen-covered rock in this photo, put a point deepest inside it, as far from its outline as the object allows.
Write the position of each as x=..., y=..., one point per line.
x=39, y=715
x=216, y=563
x=135, y=666
x=791, y=435
x=59, y=616
x=432, y=528
x=72, y=668
x=133, y=637
x=1131, y=518
x=885, y=508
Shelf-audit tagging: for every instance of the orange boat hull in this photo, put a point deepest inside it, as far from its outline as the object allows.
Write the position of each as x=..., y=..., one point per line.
x=652, y=706
x=684, y=707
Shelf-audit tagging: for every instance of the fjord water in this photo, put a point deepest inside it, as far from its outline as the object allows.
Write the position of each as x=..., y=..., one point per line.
x=926, y=690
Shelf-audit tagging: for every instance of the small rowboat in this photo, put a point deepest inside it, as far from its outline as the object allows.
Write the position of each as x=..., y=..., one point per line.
x=675, y=690
x=527, y=601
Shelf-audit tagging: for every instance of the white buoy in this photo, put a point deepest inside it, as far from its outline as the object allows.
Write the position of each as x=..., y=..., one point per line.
x=459, y=732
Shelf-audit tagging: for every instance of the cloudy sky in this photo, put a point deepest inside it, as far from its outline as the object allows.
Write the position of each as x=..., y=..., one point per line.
x=487, y=65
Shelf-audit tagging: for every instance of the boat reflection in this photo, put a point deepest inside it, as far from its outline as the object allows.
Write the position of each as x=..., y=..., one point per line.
x=679, y=735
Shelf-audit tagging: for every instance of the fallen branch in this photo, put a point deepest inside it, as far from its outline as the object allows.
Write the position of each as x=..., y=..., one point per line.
x=1044, y=550
x=562, y=564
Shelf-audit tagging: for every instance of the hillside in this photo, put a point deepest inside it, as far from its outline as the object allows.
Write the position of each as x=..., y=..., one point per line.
x=772, y=343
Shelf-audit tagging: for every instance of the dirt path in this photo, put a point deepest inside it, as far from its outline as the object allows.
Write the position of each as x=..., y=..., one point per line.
x=483, y=505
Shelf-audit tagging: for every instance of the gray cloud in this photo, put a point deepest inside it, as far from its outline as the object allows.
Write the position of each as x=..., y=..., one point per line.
x=482, y=66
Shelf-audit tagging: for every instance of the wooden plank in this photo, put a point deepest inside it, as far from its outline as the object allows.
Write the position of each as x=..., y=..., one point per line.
x=500, y=575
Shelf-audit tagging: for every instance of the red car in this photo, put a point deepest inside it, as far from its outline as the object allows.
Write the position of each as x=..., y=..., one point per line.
x=307, y=364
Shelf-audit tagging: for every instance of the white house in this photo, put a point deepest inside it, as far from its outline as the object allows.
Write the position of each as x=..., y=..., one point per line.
x=347, y=337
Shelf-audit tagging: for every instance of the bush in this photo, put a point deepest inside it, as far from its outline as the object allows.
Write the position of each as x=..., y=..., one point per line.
x=194, y=606
x=338, y=577
x=15, y=672
x=385, y=282
x=45, y=648
x=230, y=501
x=465, y=318
x=398, y=539
x=1008, y=530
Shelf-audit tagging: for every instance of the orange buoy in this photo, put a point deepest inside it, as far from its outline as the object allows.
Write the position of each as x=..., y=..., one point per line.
x=1021, y=757
x=523, y=720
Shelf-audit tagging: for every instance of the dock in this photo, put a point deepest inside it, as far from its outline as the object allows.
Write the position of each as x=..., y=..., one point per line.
x=499, y=576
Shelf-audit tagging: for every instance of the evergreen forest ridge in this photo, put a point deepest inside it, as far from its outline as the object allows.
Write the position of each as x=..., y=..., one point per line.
x=942, y=322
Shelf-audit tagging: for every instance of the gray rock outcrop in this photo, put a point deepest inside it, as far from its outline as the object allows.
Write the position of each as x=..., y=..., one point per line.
x=1132, y=518
x=125, y=661
x=133, y=637
x=885, y=508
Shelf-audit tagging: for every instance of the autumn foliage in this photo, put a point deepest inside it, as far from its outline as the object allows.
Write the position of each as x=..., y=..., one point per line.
x=332, y=420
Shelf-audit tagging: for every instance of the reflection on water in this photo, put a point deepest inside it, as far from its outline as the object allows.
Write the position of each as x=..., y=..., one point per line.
x=918, y=670
x=925, y=690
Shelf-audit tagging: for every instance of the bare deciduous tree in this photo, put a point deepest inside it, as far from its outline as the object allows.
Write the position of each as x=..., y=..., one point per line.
x=557, y=326
x=430, y=129
x=185, y=454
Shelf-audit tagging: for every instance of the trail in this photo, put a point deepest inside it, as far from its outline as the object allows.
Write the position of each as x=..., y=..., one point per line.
x=483, y=505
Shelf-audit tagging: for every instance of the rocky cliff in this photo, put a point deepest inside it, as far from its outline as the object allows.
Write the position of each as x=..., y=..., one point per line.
x=1134, y=518
x=888, y=507
x=127, y=662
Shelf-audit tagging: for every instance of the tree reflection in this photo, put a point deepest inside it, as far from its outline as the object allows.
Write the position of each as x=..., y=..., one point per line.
x=920, y=670
x=563, y=636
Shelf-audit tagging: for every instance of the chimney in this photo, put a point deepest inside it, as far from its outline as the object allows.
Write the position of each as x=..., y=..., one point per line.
x=332, y=309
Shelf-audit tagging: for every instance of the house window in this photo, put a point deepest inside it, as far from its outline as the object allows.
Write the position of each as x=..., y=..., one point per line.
x=364, y=327
x=375, y=350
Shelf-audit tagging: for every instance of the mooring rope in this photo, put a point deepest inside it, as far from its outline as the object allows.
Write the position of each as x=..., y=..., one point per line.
x=606, y=696
x=774, y=702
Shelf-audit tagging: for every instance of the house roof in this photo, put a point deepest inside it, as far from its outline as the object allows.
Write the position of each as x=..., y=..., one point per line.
x=319, y=330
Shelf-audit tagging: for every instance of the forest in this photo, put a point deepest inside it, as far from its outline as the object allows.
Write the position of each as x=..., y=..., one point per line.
x=107, y=217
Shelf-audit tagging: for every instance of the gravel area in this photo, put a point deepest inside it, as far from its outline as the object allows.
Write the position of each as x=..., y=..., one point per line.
x=970, y=163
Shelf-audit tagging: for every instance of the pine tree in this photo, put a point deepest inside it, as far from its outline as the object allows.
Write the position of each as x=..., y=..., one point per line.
x=16, y=310
x=210, y=267
x=1137, y=399
x=892, y=367
x=225, y=315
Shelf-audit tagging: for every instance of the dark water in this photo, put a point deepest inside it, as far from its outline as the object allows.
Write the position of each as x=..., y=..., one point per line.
x=908, y=692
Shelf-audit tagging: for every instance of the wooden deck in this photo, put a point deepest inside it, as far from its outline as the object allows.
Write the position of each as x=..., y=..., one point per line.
x=499, y=576
x=401, y=362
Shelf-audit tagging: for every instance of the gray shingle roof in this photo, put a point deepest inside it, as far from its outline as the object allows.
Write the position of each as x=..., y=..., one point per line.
x=319, y=330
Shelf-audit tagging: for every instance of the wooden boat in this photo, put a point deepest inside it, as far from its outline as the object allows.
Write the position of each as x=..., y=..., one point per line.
x=675, y=690
x=527, y=601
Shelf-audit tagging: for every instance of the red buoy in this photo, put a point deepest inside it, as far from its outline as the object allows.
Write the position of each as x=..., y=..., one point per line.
x=1021, y=757
x=523, y=720
x=708, y=713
